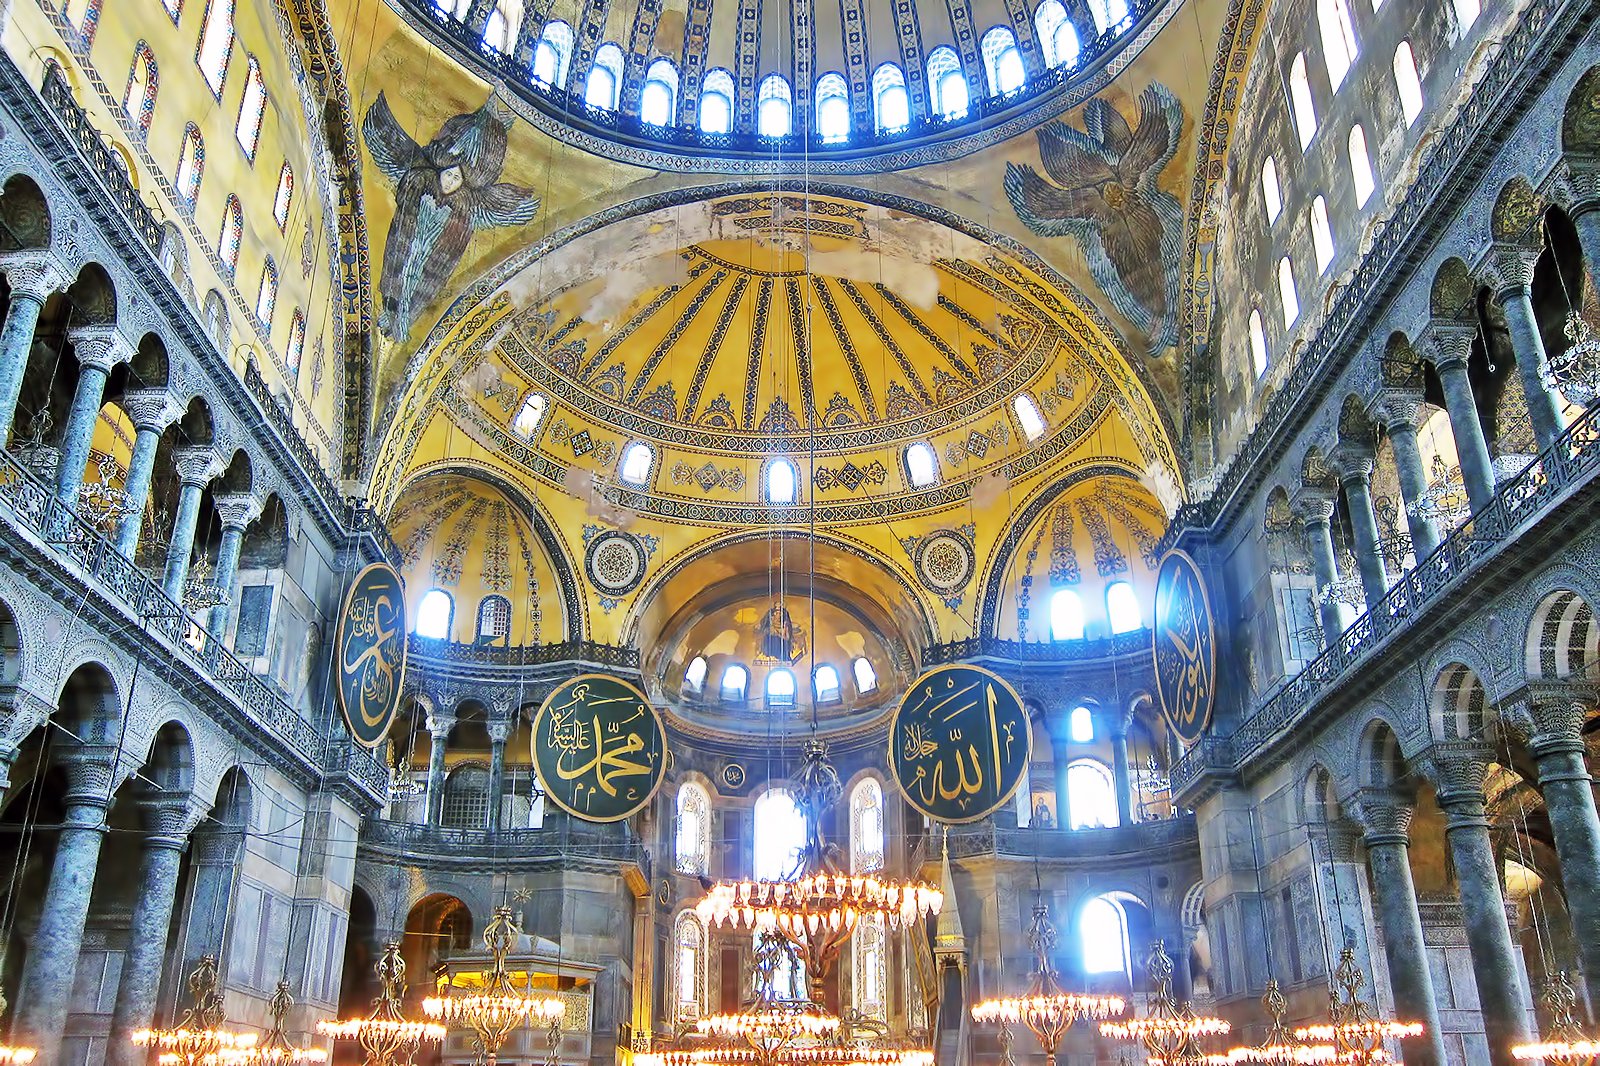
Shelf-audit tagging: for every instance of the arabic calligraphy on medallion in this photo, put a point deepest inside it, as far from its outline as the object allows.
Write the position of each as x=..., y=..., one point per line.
x=598, y=748
x=959, y=743
x=372, y=653
x=1185, y=646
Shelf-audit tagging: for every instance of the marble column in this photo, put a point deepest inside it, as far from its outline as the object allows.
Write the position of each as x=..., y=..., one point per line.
x=1452, y=346
x=1121, y=772
x=99, y=349
x=236, y=511
x=499, y=733
x=167, y=822
x=1062, y=757
x=1460, y=769
x=52, y=963
x=439, y=727
x=1387, y=820
x=32, y=280
x=1316, y=512
x=1509, y=271
x=1555, y=728
x=1401, y=417
x=1583, y=182
x=152, y=411
x=1356, y=477
x=196, y=468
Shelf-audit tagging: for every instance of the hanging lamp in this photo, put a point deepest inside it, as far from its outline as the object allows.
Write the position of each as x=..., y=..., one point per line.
x=199, y=1038
x=1564, y=1043
x=497, y=1008
x=1170, y=1032
x=387, y=1036
x=1354, y=1029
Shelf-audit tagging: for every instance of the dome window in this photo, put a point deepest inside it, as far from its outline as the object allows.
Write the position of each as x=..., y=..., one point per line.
x=734, y=680
x=529, y=417
x=1081, y=725
x=892, y=107
x=1407, y=83
x=500, y=31
x=833, y=109
x=434, y=615
x=780, y=688
x=1028, y=416
x=1002, y=62
x=1271, y=194
x=1058, y=37
x=781, y=481
x=1360, y=165
x=866, y=676
x=605, y=78
x=947, y=83
x=1122, y=608
x=773, y=115
x=1066, y=615
x=1258, y=344
x=1287, y=293
x=660, y=96
x=716, y=102
x=1108, y=13
x=1305, y=111
x=252, y=108
x=637, y=459
x=922, y=466
x=494, y=620
x=825, y=683
x=216, y=44
x=694, y=678
x=552, y=54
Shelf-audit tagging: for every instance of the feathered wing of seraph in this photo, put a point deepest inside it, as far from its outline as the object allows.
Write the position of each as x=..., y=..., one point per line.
x=1101, y=187
x=392, y=149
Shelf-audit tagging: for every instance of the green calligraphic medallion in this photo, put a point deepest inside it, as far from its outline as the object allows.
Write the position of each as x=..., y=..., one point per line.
x=1185, y=646
x=959, y=743
x=598, y=748
x=372, y=653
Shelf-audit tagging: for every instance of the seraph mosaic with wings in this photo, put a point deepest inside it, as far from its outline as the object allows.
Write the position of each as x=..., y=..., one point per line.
x=444, y=192
x=1100, y=188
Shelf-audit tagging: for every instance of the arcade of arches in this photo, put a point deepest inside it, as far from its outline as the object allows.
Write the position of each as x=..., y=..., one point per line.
x=766, y=356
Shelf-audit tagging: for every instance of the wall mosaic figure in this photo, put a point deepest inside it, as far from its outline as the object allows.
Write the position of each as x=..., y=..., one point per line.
x=1101, y=190
x=444, y=193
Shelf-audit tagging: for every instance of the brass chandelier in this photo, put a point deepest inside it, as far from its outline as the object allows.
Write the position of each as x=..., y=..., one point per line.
x=1353, y=1028
x=498, y=1008
x=1170, y=1032
x=387, y=1036
x=277, y=1049
x=1564, y=1044
x=198, y=1039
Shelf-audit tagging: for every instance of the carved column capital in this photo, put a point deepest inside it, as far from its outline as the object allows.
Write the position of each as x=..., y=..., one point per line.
x=1384, y=813
x=92, y=772
x=1352, y=463
x=197, y=464
x=1400, y=408
x=499, y=730
x=440, y=724
x=169, y=819
x=1507, y=268
x=1549, y=715
x=33, y=275
x=1313, y=505
x=1450, y=342
x=102, y=347
x=1579, y=184
x=151, y=409
x=1334, y=841
x=1459, y=770
x=237, y=509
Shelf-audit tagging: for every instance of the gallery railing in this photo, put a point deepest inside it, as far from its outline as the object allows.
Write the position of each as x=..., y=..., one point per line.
x=986, y=838
x=1521, y=500
x=1038, y=651
x=573, y=651
x=614, y=843
x=29, y=504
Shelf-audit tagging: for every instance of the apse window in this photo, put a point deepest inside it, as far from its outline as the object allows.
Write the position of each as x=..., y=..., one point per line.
x=529, y=416
x=781, y=481
x=1305, y=111
x=284, y=197
x=922, y=466
x=433, y=614
x=1028, y=416
x=866, y=676
x=773, y=115
x=1258, y=344
x=833, y=109
x=716, y=102
x=1122, y=608
x=694, y=828
x=1271, y=194
x=891, y=105
x=1360, y=165
x=734, y=680
x=1066, y=615
x=636, y=460
x=1081, y=725
x=660, y=95
x=1286, y=292
x=694, y=678
x=191, y=165
x=232, y=235
x=1103, y=932
x=605, y=78
x=1321, y=234
x=494, y=620
x=1407, y=83
x=267, y=294
x=947, y=83
x=552, y=54
x=1091, y=795
x=825, y=683
x=216, y=44
x=780, y=688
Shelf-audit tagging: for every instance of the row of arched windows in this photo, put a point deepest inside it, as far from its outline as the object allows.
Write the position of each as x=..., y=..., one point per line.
x=1004, y=73
x=1122, y=611
x=781, y=687
x=436, y=614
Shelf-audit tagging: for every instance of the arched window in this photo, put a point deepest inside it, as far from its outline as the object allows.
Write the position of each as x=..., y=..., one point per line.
x=870, y=973
x=1080, y=725
x=267, y=294
x=528, y=416
x=494, y=619
x=1271, y=195
x=694, y=677
x=780, y=481
x=890, y=105
x=780, y=834
x=434, y=614
x=866, y=677
x=1360, y=165
x=191, y=165
x=284, y=197
x=500, y=31
x=1467, y=12
x=1066, y=615
x=1002, y=62
x=1321, y=234
x=947, y=84
x=1286, y=292
x=922, y=466
x=216, y=44
x=456, y=9
x=825, y=684
x=296, y=351
x=780, y=688
x=232, y=234
x=694, y=829
x=466, y=798
x=1338, y=39
x=734, y=680
x=553, y=53
x=1028, y=416
x=833, y=109
x=252, y=108
x=1049, y=18
x=1407, y=83
x=659, y=99
x=1091, y=795
x=689, y=967
x=83, y=16
x=605, y=78
x=1103, y=933
x=716, y=102
x=139, y=98
x=866, y=827
x=1305, y=112
x=1122, y=607
x=174, y=8
x=1258, y=343
x=1108, y=13
x=215, y=312
x=637, y=459
x=773, y=117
